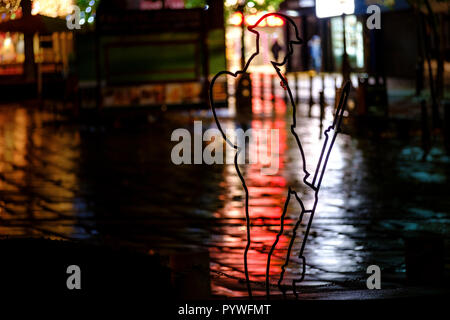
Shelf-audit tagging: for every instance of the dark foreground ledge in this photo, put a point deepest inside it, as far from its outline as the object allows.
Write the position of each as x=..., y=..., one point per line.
x=40, y=266
x=406, y=293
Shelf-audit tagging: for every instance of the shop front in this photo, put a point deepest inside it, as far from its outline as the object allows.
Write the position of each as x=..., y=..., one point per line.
x=151, y=54
x=354, y=43
x=341, y=28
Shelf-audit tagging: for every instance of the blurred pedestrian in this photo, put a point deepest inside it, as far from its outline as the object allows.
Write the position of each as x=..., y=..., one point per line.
x=276, y=49
x=315, y=52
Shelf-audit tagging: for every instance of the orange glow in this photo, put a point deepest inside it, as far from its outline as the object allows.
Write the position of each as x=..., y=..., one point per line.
x=253, y=18
x=274, y=21
x=236, y=18
x=271, y=21
x=249, y=20
x=52, y=8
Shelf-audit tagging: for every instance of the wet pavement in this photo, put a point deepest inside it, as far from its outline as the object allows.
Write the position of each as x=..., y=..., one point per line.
x=116, y=184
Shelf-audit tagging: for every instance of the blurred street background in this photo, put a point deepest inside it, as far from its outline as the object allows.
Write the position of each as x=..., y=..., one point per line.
x=88, y=104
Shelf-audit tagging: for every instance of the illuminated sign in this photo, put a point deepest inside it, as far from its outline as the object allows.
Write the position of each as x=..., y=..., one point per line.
x=9, y=6
x=332, y=8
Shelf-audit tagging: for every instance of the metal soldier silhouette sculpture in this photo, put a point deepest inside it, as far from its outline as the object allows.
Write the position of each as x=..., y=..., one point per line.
x=313, y=182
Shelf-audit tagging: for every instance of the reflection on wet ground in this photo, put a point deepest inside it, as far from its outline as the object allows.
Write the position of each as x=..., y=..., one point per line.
x=119, y=186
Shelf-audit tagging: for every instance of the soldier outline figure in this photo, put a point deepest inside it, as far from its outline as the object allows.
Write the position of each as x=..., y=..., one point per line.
x=320, y=169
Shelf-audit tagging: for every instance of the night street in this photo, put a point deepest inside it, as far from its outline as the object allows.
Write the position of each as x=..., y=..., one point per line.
x=123, y=125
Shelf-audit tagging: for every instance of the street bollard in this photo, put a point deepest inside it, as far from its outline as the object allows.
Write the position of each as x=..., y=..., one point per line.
x=323, y=82
x=244, y=96
x=311, y=100
x=322, y=105
x=361, y=97
x=322, y=111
